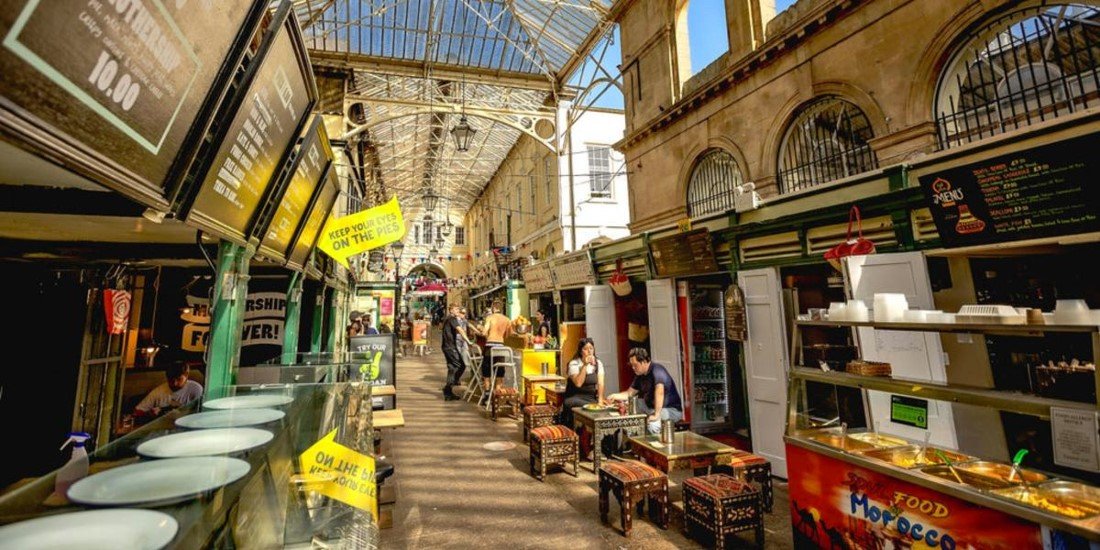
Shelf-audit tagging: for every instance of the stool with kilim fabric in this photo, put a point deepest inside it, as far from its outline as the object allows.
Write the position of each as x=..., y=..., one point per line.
x=633, y=483
x=504, y=397
x=553, y=445
x=719, y=505
x=754, y=468
x=537, y=416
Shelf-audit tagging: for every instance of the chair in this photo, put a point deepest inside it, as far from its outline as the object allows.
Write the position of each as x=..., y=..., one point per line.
x=550, y=446
x=502, y=356
x=717, y=505
x=537, y=416
x=633, y=484
x=474, y=382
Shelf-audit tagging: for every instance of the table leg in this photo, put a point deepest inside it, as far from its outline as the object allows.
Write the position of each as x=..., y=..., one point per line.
x=597, y=447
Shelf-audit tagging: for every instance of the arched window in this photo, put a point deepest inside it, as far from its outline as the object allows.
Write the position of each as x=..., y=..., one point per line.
x=1027, y=66
x=827, y=140
x=712, y=182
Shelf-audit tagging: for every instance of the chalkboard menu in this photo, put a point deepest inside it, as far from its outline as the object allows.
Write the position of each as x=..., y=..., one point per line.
x=319, y=209
x=1041, y=192
x=683, y=254
x=290, y=202
x=255, y=144
x=120, y=92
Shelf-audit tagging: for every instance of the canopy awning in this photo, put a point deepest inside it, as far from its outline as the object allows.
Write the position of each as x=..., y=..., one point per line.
x=487, y=292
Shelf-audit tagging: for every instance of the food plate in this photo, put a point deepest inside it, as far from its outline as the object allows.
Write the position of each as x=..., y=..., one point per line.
x=158, y=482
x=229, y=418
x=597, y=407
x=92, y=530
x=217, y=441
x=248, y=402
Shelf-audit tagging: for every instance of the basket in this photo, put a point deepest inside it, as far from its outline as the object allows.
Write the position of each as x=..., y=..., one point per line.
x=868, y=368
x=619, y=282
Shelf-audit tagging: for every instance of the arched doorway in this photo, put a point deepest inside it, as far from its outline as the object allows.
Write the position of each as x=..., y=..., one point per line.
x=424, y=291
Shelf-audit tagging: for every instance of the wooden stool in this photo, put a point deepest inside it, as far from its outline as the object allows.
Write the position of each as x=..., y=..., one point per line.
x=719, y=505
x=504, y=397
x=752, y=468
x=537, y=416
x=633, y=483
x=553, y=445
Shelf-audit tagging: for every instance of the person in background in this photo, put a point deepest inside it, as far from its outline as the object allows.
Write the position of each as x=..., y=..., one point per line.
x=585, y=380
x=177, y=391
x=452, y=326
x=464, y=339
x=652, y=382
x=367, y=328
x=497, y=327
x=540, y=338
x=542, y=320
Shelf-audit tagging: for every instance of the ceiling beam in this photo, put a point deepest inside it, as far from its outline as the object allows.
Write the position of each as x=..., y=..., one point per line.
x=439, y=71
x=579, y=54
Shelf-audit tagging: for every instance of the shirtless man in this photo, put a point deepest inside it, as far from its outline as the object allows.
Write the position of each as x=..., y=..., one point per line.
x=497, y=327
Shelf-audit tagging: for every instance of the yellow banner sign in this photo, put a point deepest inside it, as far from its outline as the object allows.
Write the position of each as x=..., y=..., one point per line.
x=345, y=237
x=341, y=473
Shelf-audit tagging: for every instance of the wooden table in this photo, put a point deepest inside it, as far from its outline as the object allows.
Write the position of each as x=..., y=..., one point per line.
x=689, y=451
x=383, y=391
x=603, y=423
x=555, y=395
x=534, y=387
x=389, y=419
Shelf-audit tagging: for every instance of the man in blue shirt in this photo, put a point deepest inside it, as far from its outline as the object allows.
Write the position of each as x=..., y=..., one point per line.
x=652, y=382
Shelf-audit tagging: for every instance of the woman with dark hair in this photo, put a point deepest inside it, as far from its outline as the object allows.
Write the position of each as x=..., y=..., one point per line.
x=585, y=380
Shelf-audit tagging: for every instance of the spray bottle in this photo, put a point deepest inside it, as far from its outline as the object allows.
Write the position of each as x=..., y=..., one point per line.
x=77, y=466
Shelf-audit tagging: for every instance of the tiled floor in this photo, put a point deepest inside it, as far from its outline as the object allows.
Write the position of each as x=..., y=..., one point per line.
x=453, y=493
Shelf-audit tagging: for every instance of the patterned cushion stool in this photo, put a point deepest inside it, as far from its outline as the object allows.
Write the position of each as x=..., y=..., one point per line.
x=553, y=445
x=633, y=483
x=537, y=416
x=719, y=505
x=504, y=397
x=753, y=468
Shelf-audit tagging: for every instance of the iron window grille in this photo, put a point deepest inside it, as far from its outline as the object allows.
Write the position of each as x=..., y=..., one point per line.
x=460, y=236
x=599, y=171
x=712, y=183
x=1028, y=66
x=826, y=141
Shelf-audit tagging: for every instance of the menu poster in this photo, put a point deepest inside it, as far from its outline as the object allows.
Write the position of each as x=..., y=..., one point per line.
x=320, y=207
x=290, y=202
x=119, y=91
x=253, y=147
x=1040, y=192
x=683, y=254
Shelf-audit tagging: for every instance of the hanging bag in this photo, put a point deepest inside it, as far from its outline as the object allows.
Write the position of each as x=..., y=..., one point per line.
x=850, y=247
x=619, y=282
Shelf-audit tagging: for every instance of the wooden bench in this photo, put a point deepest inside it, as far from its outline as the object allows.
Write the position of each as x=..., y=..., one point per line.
x=389, y=419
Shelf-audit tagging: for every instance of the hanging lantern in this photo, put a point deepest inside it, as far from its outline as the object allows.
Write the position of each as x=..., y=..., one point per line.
x=430, y=199
x=447, y=228
x=462, y=134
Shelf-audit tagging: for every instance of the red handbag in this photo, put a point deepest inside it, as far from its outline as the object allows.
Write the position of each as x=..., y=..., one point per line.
x=850, y=247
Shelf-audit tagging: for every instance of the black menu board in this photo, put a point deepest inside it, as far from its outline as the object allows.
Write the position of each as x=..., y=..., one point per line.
x=319, y=209
x=1041, y=192
x=683, y=254
x=120, y=92
x=256, y=143
x=289, y=203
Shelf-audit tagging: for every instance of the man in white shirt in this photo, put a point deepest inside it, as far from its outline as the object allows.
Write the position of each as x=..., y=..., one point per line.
x=177, y=391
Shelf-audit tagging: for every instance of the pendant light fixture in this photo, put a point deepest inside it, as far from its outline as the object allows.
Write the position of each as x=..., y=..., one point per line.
x=463, y=132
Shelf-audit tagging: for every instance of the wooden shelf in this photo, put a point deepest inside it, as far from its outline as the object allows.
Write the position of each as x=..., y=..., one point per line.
x=997, y=399
x=1019, y=330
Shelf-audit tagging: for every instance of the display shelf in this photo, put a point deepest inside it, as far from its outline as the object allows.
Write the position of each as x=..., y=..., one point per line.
x=925, y=389
x=1087, y=527
x=709, y=381
x=708, y=341
x=1018, y=330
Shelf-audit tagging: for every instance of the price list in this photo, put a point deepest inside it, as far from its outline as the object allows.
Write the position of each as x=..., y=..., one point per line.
x=1040, y=192
x=258, y=139
x=313, y=158
x=307, y=236
x=126, y=79
x=684, y=254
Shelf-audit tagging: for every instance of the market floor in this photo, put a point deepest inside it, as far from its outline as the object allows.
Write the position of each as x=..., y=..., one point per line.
x=454, y=493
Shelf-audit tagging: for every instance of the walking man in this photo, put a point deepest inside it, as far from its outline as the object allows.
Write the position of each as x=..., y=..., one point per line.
x=455, y=366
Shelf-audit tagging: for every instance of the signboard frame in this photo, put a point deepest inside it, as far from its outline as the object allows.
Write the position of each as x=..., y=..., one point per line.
x=538, y=278
x=573, y=270
x=387, y=374
x=327, y=179
x=282, y=21
x=315, y=133
x=54, y=144
x=710, y=264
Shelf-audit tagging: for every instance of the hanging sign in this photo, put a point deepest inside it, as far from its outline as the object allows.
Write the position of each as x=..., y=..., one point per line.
x=116, y=306
x=909, y=411
x=374, y=261
x=737, y=327
x=1040, y=192
x=538, y=277
x=340, y=473
x=688, y=253
x=376, y=227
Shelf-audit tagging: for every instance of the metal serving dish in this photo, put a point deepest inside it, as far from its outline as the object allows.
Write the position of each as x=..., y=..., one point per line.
x=878, y=441
x=910, y=456
x=985, y=475
x=838, y=441
x=852, y=442
x=1065, y=498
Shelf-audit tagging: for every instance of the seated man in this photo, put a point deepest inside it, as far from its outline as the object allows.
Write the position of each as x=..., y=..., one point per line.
x=655, y=386
x=177, y=391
